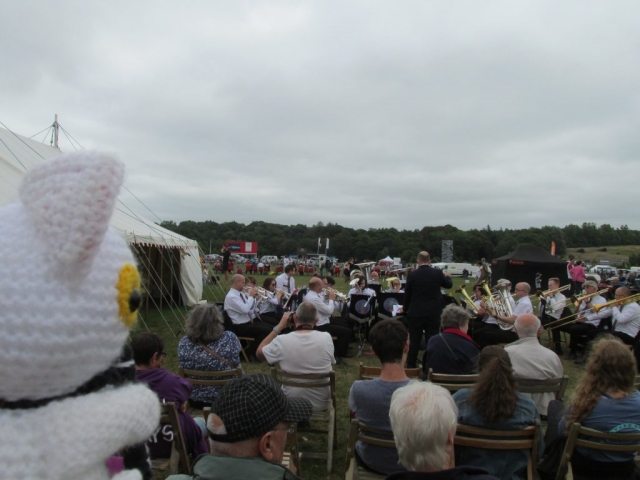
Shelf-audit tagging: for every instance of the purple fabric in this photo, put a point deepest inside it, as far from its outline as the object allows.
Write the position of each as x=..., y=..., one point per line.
x=115, y=465
x=171, y=388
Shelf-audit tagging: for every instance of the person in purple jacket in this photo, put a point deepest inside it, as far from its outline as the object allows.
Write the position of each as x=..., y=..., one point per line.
x=148, y=355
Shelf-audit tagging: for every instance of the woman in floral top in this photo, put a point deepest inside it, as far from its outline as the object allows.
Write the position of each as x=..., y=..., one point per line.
x=205, y=326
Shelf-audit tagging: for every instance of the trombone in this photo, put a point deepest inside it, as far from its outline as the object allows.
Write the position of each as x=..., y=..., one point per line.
x=546, y=293
x=595, y=308
x=577, y=300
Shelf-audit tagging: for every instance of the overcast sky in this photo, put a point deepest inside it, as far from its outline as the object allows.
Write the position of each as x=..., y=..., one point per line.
x=367, y=114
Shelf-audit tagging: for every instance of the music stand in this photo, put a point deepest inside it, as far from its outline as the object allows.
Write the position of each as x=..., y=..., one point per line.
x=362, y=310
x=376, y=287
x=386, y=302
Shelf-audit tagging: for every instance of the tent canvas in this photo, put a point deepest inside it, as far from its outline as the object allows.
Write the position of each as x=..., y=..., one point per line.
x=20, y=154
x=386, y=261
x=522, y=264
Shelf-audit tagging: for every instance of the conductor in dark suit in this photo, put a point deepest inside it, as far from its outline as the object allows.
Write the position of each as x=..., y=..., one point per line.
x=423, y=303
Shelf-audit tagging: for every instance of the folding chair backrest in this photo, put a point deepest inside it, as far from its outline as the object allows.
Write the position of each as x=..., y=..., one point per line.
x=580, y=436
x=311, y=380
x=557, y=386
x=476, y=437
x=368, y=373
x=636, y=382
x=210, y=378
x=366, y=434
x=169, y=416
x=453, y=383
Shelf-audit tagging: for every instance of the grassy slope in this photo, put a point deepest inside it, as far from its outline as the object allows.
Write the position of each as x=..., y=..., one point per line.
x=615, y=254
x=345, y=376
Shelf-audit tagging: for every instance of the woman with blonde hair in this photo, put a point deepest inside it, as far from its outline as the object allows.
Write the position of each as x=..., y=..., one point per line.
x=606, y=400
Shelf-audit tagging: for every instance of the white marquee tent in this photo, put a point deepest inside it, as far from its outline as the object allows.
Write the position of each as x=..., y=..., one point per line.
x=163, y=255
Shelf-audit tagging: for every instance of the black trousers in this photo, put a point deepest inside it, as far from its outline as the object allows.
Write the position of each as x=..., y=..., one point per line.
x=343, y=337
x=256, y=329
x=577, y=331
x=272, y=318
x=627, y=339
x=430, y=326
x=493, y=335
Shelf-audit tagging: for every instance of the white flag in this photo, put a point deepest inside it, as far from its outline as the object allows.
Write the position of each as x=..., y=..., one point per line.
x=319, y=242
x=327, y=244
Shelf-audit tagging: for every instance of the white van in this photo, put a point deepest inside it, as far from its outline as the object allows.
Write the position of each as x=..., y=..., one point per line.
x=270, y=259
x=456, y=268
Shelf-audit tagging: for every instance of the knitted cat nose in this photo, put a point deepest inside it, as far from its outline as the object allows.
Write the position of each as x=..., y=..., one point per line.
x=134, y=300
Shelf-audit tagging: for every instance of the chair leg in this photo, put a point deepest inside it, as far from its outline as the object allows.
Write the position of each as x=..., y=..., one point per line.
x=331, y=436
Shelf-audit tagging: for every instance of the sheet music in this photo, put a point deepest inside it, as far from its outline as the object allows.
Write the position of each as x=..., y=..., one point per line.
x=394, y=312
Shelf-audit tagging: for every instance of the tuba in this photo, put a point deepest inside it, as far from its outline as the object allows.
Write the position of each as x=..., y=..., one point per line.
x=499, y=303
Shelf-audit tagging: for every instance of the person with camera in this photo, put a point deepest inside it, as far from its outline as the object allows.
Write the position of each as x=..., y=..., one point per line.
x=304, y=350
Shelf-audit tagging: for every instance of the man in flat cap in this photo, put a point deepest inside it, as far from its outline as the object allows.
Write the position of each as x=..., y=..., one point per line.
x=247, y=431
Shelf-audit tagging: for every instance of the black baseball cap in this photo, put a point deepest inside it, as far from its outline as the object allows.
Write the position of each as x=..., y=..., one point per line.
x=253, y=405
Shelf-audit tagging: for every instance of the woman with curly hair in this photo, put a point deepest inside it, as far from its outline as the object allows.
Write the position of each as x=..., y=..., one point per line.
x=495, y=404
x=605, y=400
x=207, y=346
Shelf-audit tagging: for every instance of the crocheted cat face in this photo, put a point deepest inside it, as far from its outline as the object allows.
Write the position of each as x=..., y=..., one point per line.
x=68, y=282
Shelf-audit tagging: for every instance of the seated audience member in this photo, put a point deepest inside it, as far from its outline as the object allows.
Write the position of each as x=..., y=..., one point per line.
x=148, y=355
x=495, y=404
x=325, y=306
x=452, y=351
x=269, y=309
x=370, y=399
x=423, y=420
x=206, y=346
x=304, y=350
x=239, y=305
x=247, y=432
x=531, y=360
x=605, y=400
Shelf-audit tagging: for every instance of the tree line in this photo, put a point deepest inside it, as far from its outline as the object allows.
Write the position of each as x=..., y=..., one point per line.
x=377, y=243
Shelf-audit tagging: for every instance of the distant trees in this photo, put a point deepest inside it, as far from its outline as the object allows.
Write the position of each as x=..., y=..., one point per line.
x=376, y=243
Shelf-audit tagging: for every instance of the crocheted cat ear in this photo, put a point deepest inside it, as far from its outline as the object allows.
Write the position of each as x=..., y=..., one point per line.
x=71, y=200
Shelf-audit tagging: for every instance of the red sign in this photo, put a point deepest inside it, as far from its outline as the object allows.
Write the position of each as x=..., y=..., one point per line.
x=246, y=248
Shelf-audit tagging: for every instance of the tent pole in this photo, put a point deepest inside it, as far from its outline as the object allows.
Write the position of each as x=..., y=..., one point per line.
x=55, y=131
x=161, y=276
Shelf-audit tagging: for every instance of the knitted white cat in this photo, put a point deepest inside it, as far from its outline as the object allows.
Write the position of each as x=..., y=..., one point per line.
x=67, y=287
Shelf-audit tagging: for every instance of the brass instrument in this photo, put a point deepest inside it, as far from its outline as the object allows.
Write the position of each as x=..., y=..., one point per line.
x=615, y=303
x=595, y=308
x=365, y=270
x=340, y=297
x=546, y=293
x=498, y=304
x=471, y=305
x=577, y=300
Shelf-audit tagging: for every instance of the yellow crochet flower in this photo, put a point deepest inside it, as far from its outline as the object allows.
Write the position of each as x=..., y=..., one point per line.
x=128, y=294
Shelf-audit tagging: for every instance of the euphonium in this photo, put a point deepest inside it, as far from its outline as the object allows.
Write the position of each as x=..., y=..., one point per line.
x=499, y=303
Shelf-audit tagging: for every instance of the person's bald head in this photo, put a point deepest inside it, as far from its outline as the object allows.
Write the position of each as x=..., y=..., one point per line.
x=237, y=281
x=424, y=258
x=527, y=325
x=316, y=284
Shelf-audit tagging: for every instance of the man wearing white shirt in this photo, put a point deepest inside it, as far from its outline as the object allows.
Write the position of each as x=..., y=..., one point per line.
x=551, y=310
x=285, y=281
x=588, y=321
x=325, y=306
x=523, y=305
x=239, y=306
x=626, y=318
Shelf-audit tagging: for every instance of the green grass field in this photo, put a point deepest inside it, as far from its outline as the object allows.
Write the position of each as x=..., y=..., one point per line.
x=615, y=254
x=345, y=376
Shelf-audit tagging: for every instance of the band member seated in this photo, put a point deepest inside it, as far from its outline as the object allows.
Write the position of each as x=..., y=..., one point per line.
x=329, y=283
x=375, y=278
x=588, y=321
x=552, y=306
x=394, y=285
x=488, y=322
x=360, y=288
x=507, y=335
x=626, y=318
x=285, y=281
x=326, y=306
x=269, y=309
x=238, y=305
